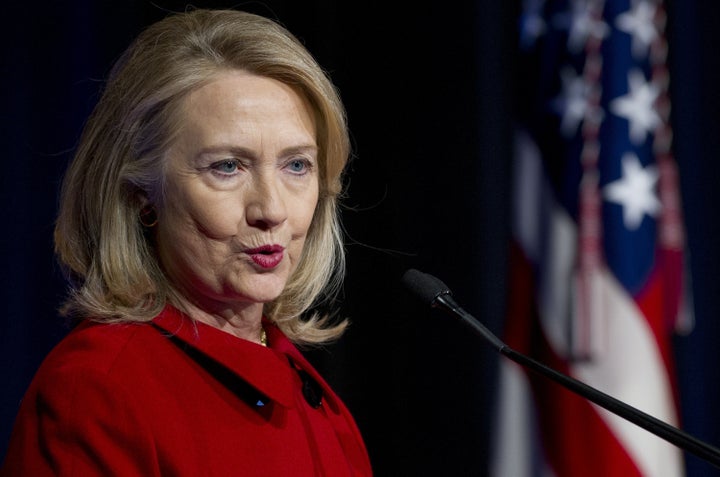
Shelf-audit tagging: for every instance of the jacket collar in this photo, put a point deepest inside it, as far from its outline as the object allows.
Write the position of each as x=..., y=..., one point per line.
x=265, y=369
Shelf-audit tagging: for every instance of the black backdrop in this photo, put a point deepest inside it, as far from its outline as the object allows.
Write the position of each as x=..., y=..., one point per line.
x=429, y=92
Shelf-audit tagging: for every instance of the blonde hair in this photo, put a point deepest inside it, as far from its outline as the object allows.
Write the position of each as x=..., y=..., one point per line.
x=118, y=167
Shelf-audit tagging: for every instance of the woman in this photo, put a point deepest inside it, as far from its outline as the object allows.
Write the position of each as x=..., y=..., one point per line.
x=198, y=223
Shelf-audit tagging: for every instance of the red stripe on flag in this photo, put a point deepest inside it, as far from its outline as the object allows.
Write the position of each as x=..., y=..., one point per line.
x=659, y=302
x=576, y=440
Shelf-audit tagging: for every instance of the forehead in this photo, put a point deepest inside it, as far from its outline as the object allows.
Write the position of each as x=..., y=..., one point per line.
x=234, y=96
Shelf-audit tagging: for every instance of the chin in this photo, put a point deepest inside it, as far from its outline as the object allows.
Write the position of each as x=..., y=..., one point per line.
x=261, y=289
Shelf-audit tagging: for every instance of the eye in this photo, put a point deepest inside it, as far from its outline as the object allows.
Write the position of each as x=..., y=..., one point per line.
x=228, y=166
x=299, y=166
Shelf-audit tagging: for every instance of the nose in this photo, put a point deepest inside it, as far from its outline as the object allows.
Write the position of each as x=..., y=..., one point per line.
x=265, y=203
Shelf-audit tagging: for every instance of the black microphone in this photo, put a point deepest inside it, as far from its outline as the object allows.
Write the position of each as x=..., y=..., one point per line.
x=435, y=293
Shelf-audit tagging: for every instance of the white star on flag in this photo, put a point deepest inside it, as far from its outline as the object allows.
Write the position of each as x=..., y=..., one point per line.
x=582, y=25
x=634, y=191
x=638, y=22
x=572, y=103
x=637, y=106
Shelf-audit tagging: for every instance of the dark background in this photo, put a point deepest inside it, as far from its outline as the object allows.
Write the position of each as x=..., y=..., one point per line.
x=429, y=91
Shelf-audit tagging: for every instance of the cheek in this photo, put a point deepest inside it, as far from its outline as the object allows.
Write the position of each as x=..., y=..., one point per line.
x=186, y=207
x=303, y=212
x=215, y=215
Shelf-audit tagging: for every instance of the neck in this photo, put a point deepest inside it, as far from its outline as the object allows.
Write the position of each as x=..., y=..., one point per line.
x=244, y=321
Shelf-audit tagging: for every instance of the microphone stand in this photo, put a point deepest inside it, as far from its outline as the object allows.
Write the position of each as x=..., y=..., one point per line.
x=661, y=429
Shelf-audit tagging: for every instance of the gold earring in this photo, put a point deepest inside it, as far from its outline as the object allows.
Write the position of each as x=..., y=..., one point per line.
x=148, y=216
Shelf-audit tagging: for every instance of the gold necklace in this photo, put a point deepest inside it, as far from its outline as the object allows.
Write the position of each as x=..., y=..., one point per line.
x=263, y=337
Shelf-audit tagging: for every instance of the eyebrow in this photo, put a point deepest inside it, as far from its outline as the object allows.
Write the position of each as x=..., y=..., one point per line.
x=246, y=152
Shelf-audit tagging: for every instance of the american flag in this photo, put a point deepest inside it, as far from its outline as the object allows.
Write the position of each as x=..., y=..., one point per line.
x=597, y=279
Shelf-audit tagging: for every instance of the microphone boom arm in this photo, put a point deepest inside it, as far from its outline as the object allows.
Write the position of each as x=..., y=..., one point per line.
x=660, y=428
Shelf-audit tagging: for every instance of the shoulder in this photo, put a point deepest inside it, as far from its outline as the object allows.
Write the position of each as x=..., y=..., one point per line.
x=80, y=415
x=92, y=358
x=96, y=347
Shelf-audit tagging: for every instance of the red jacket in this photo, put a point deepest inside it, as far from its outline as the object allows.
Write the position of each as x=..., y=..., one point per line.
x=180, y=398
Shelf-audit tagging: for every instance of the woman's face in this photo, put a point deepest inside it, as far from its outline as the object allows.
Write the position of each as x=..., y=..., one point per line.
x=241, y=190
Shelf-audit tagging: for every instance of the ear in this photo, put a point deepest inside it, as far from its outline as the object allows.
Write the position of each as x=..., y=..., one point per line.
x=147, y=214
x=140, y=199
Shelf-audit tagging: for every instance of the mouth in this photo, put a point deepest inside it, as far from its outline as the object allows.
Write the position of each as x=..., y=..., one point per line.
x=266, y=256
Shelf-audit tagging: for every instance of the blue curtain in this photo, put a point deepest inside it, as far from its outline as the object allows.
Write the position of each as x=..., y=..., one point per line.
x=695, y=75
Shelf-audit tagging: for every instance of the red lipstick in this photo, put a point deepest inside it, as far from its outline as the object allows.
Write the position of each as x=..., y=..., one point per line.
x=267, y=256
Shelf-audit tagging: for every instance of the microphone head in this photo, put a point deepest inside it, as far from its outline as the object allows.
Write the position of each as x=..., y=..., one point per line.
x=424, y=286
